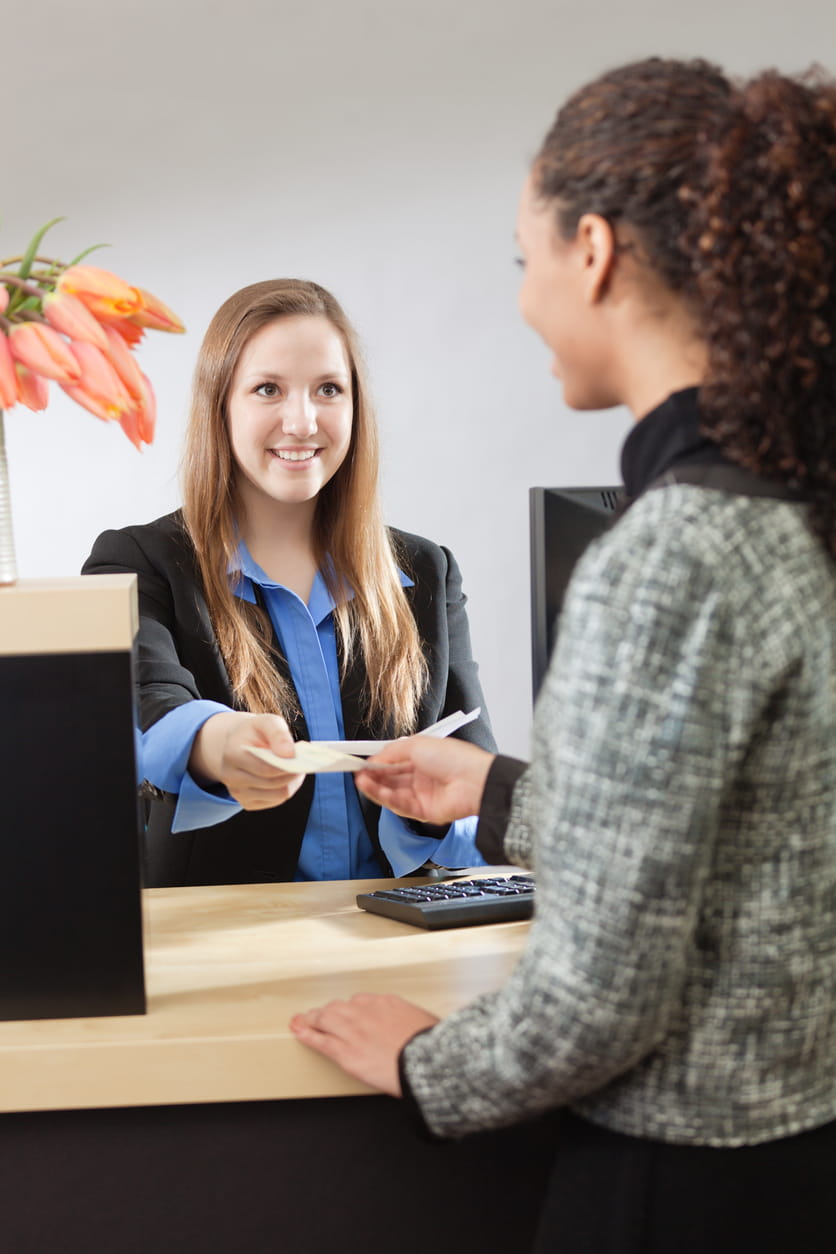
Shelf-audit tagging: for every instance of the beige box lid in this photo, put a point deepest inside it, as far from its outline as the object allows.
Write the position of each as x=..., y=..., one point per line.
x=76, y=614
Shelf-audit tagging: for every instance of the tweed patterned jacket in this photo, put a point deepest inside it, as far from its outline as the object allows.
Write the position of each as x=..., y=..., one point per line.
x=680, y=813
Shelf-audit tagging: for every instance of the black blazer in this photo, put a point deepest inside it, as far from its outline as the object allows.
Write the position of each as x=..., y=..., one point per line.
x=179, y=661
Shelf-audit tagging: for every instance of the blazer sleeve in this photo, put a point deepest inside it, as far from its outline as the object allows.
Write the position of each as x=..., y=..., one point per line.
x=495, y=812
x=439, y=606
x=179, y=660
x=464, y=688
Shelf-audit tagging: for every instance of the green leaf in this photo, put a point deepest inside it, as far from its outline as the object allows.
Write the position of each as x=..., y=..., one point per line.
x=32, y=251
x=86, y=253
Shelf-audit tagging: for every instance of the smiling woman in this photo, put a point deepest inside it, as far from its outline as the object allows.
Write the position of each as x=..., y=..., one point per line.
x=276, y=606
x=290, y=412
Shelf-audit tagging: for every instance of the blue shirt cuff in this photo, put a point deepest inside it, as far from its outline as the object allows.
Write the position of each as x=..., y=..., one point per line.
x=406, y=850
x=164, y=756
x=198, y=808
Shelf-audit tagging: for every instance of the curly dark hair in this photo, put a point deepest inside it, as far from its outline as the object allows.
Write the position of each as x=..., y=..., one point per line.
x=729, y=189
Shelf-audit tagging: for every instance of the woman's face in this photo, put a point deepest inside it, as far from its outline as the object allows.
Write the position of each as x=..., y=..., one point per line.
x=554, y=299
x=289, y=411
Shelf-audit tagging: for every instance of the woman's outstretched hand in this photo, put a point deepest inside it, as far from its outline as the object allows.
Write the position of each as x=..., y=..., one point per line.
x=364, y=1036
x=220, y=756
x=437, y=781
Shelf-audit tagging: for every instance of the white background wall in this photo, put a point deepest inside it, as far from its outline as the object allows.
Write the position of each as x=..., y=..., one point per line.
x=377, y=147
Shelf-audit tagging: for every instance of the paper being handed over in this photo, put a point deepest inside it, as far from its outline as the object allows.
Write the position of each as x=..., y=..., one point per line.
x=314, y=757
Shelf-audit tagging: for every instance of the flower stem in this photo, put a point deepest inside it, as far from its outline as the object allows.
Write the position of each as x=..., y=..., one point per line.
x=8, y=566
x=31, y=289
x=45, y=261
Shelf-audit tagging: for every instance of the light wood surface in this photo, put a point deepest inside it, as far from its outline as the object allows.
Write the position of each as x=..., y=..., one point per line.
x=76, y=614
x=225, y=969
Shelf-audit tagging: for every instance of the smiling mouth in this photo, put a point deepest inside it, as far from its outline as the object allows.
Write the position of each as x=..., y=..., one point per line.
x=295, y=454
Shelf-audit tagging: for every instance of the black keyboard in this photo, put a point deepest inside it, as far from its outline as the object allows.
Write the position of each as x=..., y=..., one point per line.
x=455, y=903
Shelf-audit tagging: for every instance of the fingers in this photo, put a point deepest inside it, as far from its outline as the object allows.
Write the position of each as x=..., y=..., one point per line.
x=272, y=732
x=220, y=754
x=386, y=788
x=273, y=792
x=364, y=1035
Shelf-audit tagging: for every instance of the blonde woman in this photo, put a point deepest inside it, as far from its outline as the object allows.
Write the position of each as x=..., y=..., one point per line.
x=276, y=606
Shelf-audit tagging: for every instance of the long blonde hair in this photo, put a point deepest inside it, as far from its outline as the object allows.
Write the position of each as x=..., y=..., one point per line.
x=348, y=526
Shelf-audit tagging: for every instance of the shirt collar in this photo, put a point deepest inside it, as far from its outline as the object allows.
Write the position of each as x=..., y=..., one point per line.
x=668, y=436
x=245, y=572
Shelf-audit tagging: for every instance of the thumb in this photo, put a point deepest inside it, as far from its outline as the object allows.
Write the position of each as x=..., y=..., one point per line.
x=274, y=733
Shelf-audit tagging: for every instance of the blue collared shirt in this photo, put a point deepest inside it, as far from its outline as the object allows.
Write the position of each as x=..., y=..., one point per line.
x=336, y=844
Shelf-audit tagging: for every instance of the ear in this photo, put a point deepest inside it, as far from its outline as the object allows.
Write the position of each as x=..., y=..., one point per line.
x=597, y=249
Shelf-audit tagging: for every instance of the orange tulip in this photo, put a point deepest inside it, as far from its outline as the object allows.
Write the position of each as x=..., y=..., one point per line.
x=32, y=389
x=138, y=422
x=124, y=363
x=103, y=293
x=129, y=422
x=126, y=327
x=67, y=314
x=42, y=349
x=99, y=382
x=148, y=412
x=93, y=404
x=154, y=314
x=8, y=377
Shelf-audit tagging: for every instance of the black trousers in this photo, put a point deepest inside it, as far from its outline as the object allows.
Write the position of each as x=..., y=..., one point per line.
x=615, y=1194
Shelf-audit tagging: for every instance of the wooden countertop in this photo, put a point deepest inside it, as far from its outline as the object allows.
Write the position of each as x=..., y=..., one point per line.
x=225, y=969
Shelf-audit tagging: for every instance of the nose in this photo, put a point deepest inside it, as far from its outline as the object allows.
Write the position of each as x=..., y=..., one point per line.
x=299, y=415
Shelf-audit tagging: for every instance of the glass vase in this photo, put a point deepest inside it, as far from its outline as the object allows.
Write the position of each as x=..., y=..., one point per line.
x=8, y=565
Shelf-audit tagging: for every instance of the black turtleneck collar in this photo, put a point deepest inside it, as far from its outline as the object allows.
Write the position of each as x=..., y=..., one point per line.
x=668, y=436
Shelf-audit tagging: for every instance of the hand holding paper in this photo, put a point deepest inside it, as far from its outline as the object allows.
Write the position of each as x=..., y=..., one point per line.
x=315, y=757
x=221, y=754
x=431, y=780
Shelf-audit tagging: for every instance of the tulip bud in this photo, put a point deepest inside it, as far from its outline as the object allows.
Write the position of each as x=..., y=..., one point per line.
x=102, y=292
x=95, y=405
x=139, y=421
x=119, y=355
x=154, y=314
x=42, y=349
x=148, y=412
x=125, y=327
x=32, y=389
x=67, y=314
x=4, y=298
x=8, y=378
x=99, y=381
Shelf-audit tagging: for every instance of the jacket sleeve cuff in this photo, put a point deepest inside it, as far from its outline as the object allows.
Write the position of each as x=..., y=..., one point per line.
x=495, y=809
x=413, y=1110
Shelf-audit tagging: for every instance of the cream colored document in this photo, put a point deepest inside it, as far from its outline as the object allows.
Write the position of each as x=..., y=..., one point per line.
x=314, y=757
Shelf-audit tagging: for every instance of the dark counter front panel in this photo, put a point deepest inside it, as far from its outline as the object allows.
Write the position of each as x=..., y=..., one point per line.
x=70, y=902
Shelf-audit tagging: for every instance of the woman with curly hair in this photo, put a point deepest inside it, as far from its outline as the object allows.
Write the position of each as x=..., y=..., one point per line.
x=276, y=606
x=675, y=1009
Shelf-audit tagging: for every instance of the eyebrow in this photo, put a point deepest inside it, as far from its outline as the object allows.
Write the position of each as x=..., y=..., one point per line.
x=274, y=377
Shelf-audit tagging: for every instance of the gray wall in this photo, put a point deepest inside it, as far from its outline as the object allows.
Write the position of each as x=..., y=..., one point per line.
x=378, y=148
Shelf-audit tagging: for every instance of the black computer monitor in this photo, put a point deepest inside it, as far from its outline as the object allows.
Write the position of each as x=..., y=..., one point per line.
x=563, y=522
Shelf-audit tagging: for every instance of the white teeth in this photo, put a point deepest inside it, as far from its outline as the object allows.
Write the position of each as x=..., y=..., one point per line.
x=295, y=455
